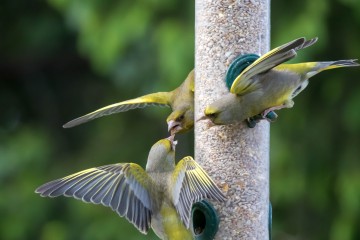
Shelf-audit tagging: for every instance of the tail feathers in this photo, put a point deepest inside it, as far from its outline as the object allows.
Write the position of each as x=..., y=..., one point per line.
x=313, y=68
x=344, y=63
x=321, y=66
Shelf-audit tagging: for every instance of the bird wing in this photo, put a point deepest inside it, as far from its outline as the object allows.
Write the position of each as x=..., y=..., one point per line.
x=191, y=77
x=245, y=82
x=190, y=184
x=120, y=186
x=153, y=99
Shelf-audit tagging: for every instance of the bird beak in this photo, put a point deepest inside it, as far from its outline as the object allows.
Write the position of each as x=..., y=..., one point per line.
x=171, y=138
x=204, y=117
x=173, y=126
x=172, y=141
x=209, y=123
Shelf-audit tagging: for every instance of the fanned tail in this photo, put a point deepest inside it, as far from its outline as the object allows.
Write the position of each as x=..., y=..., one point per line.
x=321, y=66
x=344, y=63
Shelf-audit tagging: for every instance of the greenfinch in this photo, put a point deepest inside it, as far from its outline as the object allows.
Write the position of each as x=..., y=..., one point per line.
x=267, y=85
x=181, y=101
x=160, y=197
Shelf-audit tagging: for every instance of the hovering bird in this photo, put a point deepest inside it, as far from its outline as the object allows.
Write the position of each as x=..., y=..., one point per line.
x=267, y=85
x=181, y=101
x=160, y=197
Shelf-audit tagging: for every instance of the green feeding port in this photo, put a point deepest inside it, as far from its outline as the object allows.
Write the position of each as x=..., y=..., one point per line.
x=237, y=66
x=205, y=221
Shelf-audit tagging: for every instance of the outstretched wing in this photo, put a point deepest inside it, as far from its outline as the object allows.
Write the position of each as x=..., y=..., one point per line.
x=190, y=184
x=153, y=99
x=191, y=78
x=123, y=187
x=245, y=82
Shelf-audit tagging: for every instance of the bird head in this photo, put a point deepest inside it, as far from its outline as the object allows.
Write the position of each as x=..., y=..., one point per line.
x=209, y=116
x=222, y=111
x=180, y=120
x=162, y=156
x=213, y=115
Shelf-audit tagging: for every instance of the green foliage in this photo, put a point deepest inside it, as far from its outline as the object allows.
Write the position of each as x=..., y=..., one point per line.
x=107, y=29
x=314, y=146
x=63, y=58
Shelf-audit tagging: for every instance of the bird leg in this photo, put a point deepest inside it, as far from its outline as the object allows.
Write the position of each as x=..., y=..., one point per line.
x=252, y=121
x=266, y=112
x=271, y=116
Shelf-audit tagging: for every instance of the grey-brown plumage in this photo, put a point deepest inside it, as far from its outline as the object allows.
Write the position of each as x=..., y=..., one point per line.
x=159, y=197
x=268, y=84
x=181, y=101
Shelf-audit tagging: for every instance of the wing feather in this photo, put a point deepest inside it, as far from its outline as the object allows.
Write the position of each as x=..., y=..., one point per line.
x=190, y=184
x=122, y=187
x=161, y=99
x=245, y=81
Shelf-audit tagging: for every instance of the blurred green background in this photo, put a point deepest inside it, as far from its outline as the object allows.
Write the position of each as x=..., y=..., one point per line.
x=60, y=59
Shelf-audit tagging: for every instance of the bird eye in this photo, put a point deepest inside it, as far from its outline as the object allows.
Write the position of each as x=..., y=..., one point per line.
x=179, y=119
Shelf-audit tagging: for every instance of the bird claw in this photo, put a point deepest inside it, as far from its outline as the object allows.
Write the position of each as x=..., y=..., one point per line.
x=270, y=116
x=269, y=113
x=251, y=122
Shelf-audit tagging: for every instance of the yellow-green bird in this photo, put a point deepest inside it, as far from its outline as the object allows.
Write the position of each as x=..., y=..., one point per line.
x=160, y=197
x=181, y=101
x=267, y=84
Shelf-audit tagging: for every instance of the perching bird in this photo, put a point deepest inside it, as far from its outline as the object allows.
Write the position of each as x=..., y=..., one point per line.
x=181, y=101
x=267, y=84
x=160, y=197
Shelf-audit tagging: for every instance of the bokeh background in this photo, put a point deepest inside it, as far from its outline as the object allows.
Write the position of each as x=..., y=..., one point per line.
x=60, y=59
